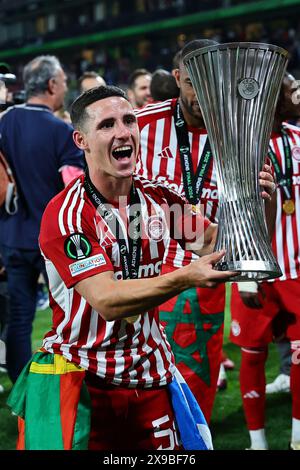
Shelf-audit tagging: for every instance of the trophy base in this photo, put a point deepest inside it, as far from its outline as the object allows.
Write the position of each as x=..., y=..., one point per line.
x=250, y=270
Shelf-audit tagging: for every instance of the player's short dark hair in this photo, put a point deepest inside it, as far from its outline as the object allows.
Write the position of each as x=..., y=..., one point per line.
x=194, y=45
x=78, y=107
x=163, y=86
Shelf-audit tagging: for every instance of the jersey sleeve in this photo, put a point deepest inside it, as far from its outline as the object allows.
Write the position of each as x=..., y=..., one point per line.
x=186, y=222
x=75, y=255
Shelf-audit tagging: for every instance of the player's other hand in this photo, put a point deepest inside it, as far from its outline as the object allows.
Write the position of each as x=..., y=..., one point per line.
x=267, y=182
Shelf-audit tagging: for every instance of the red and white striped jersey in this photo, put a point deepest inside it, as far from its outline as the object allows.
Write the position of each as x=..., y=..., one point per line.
x=160, y=160
x=77, y=243
x=286, y=240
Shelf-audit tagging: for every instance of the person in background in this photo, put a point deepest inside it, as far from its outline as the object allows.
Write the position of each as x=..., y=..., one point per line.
x=43, y=157
x=265, y=311
x=163, y=86
x=138, y=91
x=3, y=92
x=282, y=383
x=42, y=296
x=90, y=79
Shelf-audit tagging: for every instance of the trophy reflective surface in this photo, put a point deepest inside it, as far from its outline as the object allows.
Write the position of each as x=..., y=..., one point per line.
x=237, y=86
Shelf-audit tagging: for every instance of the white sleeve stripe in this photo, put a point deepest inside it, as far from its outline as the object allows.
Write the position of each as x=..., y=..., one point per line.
x=76, y=323
x=151, y=111
x=70, y=210
x=79, y=211
x=161, y=106
x=61, y=212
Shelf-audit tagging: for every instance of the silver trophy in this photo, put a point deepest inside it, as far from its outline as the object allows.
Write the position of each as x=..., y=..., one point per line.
x=237, y=86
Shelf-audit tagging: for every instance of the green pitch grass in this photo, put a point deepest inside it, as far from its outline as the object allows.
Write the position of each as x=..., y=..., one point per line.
x=227, y=426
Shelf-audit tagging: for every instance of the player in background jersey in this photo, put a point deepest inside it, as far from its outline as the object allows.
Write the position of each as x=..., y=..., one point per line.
x=100, y=236
x=194, y=320
x=266, y=310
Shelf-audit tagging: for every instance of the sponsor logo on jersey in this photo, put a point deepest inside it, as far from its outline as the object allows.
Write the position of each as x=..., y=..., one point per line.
x=145, y=270
x=87, y=264
x=77, y=246
x=165, y=153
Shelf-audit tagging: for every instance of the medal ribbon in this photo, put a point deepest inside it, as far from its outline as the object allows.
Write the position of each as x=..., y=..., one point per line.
x=193, y=183
x=284, y=180
x=130, y=257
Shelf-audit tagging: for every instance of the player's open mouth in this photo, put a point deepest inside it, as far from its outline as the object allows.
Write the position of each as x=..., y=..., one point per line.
x=122, y=152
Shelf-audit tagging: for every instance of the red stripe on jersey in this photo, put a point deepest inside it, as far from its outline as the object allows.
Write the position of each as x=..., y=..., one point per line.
x=128, y=358
x=141, y=342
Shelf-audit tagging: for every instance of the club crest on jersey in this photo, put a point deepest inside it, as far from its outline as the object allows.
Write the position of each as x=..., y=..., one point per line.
x=155, y=228
x=296, y=153
x=77, y=246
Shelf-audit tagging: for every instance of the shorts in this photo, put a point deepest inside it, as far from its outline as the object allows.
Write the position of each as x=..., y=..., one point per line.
x=130, y=419
x=279, y=316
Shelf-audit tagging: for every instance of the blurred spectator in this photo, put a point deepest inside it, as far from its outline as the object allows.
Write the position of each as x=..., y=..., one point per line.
x=139, y=88
x=5, y=78
x=89, y=80
x=63, y=114
x=3, y=92
x=41, y=153
x=163, y=86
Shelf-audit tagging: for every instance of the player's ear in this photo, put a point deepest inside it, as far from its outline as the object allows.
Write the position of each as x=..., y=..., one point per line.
x=80, y=140
x=176, y=74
